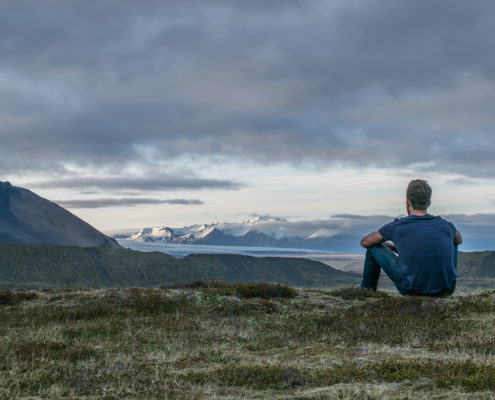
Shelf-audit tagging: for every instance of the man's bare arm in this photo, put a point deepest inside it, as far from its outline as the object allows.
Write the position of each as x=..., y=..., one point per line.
x=372, y=239
x=457, y=238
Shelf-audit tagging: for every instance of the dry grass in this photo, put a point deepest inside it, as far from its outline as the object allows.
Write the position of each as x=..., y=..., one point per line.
x=208, y=340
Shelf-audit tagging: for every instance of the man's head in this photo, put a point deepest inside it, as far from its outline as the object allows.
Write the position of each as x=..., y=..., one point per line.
x=419, y=194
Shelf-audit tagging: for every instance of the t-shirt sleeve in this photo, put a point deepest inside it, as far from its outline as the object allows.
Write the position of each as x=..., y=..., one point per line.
x=387, y=230
x=452, y=228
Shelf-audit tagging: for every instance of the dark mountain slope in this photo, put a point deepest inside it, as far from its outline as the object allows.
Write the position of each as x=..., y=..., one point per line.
x=478, y=264
x=28, y=218
x=292, y=271
x=46, y=266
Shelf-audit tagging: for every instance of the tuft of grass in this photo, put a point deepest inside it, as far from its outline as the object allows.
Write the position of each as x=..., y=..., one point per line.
x=354, y=293
x=466, y=374
x=32, y=351
x=481, y=303
x=253, y=376
x=236, y=308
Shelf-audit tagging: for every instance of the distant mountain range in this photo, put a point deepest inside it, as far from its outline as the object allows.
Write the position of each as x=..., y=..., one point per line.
x=28, y=218
x=257, y=232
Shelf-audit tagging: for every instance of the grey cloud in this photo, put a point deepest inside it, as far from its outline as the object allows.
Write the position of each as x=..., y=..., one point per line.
x=359, y=217
x=354, y=225
x=385, y=84
x=123, y=202
x=462, y=181
x=164, y=182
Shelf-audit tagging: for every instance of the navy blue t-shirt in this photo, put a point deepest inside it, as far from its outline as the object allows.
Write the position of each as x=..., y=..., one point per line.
x=426, y=252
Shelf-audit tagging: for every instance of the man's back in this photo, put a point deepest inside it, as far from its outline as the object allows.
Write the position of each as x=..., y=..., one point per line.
x=425, y=245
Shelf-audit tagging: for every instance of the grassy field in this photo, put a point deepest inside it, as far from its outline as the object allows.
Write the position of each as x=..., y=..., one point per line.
x=246, y=341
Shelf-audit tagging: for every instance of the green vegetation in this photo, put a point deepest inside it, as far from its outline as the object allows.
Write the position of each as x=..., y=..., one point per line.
x=244, y=341
x=45, y=266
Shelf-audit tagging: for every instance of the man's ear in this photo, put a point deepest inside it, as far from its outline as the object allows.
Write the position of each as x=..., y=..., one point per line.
x=408, y=206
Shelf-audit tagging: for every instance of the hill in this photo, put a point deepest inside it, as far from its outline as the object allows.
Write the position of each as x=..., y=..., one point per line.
x=247, y=341
x=28, y=218
x=48, y=266
x=478, y=264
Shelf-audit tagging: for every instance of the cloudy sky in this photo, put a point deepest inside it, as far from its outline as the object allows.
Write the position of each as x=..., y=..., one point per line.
x=136, y=113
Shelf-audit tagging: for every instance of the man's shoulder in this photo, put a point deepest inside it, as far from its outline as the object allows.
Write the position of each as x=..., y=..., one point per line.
x=428, y=220
x=395, y=221
x=413, y=220
x=446, y=222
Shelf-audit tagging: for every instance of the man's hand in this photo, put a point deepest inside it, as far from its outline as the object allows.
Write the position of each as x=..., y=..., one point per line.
x=372, y=239
x=391, y=246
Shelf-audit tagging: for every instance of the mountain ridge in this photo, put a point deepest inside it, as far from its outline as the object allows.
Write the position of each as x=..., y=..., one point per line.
x=26, y=217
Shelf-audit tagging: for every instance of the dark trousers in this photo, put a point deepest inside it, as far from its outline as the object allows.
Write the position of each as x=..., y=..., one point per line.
x=382, y=257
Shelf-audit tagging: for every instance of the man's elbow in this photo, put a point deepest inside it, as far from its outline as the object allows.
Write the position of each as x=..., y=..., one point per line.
x=372, y=239
x=458, y=238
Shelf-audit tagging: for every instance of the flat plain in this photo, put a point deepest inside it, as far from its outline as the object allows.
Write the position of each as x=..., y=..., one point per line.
x=245, y=341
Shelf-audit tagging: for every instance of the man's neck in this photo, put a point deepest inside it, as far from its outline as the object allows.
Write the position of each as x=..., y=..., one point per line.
x=419, y=213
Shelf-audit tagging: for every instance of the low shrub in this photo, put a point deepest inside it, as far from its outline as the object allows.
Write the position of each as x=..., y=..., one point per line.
x=197, y=284
x=236, y=308
x=149, y=301
x=10, y=297
x=264, y=290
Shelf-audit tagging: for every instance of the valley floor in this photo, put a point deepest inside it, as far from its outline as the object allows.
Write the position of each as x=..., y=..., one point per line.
x=245, y=341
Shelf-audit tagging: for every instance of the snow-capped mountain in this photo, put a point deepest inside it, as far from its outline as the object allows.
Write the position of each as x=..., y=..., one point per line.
x=340, y=233
x=261, y=231
x=154, y=234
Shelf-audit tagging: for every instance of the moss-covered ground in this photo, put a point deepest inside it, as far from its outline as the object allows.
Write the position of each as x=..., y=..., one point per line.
x=220, y=341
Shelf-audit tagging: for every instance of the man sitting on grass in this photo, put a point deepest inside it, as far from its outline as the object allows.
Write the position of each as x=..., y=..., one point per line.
x=426, y=247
